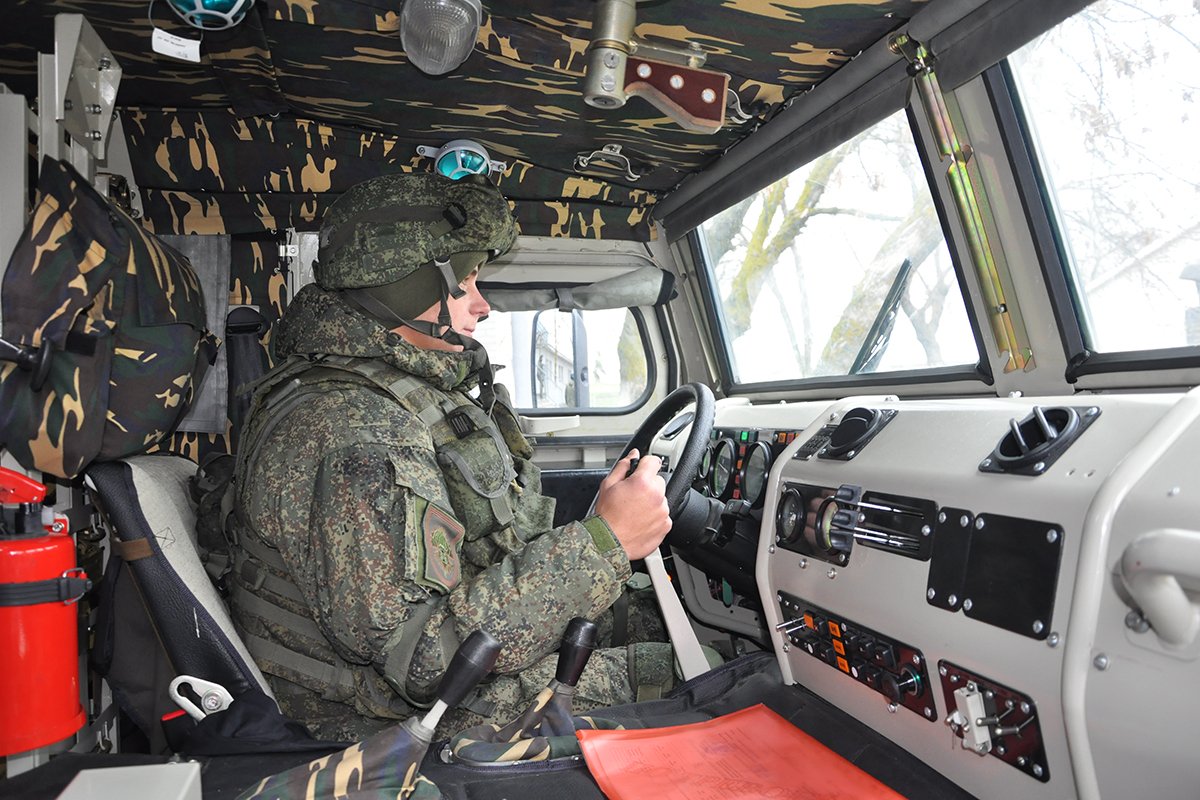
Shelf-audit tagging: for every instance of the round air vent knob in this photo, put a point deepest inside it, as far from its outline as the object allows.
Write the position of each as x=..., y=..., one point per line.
x=1041, y=436
x=853, y=431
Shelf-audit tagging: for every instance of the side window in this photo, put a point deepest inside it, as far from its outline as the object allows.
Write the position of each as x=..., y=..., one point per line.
x=575, y=361
x=838, y=269
x=1109, y=102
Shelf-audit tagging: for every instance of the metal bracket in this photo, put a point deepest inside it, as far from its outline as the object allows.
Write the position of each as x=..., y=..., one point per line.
x=608, y=153
x=620, y=64
x=1011, y=337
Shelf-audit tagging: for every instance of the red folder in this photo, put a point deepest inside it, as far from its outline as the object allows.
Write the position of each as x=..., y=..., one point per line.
x=753, y=754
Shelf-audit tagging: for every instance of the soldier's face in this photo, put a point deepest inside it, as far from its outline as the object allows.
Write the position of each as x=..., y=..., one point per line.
x=465, y=313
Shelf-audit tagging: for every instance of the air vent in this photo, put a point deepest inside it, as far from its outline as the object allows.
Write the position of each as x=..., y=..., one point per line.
x=1036, y=442
x=857, y=427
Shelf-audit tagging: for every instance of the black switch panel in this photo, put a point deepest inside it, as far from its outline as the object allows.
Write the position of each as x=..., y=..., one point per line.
x=1008, y=728
x=894, y=669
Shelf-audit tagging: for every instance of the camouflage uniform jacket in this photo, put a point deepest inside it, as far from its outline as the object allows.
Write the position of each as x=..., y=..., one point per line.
x=368, y=546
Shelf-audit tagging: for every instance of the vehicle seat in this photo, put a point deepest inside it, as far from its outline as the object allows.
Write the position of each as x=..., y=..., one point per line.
x=160, y=614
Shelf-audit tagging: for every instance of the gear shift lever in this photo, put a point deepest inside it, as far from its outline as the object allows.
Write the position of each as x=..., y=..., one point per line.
x=578, y=642
x=473, y=660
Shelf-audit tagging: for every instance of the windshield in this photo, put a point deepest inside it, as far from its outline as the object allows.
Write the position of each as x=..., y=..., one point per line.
x=839, y=268
x=1117, y=146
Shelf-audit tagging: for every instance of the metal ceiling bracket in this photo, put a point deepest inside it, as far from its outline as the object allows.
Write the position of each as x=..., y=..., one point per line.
x=619, y=65
x=1004, y=315
x=610, y=153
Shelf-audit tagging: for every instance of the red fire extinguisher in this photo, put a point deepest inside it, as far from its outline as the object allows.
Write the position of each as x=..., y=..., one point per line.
x=39, y=638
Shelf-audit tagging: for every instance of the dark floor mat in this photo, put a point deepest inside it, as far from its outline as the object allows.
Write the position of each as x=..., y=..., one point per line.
x=739, y=684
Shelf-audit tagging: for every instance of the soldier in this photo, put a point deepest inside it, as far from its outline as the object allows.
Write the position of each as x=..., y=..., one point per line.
x=386, y=505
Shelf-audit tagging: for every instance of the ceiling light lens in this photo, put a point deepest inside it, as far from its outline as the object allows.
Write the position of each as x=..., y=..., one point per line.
x=438, y=35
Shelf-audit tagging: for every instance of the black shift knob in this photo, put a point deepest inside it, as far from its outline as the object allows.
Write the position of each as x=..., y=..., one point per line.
x=472, y=661
x=578, y=642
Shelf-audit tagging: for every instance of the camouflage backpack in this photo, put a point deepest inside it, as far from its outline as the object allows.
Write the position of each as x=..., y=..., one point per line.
x=104, y=339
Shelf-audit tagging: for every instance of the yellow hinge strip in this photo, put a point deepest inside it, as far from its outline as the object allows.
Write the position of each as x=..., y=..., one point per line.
x=1020, y=355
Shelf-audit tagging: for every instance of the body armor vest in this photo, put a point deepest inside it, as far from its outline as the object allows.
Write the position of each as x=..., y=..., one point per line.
x=484, y=463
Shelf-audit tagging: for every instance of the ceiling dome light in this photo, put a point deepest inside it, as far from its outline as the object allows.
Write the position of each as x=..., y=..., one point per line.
x=211, y=15
x=460, y=158
x=438, y=35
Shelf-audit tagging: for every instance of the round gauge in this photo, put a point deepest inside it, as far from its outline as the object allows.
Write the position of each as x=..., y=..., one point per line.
x=789, y=520
x=720, y=476
x=824, y=523
x=755, y=465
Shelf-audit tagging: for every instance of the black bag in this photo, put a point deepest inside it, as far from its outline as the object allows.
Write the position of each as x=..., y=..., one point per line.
x=104, y=340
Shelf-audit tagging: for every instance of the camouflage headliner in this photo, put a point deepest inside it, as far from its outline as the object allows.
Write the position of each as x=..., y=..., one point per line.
x=328, y=79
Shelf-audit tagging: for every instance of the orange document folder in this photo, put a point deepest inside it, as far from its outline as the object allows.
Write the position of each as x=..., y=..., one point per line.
x=753, y=754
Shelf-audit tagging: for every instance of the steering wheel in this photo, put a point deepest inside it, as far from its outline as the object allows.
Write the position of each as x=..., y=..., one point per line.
x=692, y=660
x=684, y=470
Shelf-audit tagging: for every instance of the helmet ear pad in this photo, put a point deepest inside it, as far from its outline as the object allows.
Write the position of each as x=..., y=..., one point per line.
x=422, y=289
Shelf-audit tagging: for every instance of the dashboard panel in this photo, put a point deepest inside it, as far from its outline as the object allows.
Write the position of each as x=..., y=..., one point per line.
x=954, y=573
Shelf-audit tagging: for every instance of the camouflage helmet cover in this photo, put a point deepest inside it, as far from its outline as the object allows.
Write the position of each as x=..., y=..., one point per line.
x=383, y=229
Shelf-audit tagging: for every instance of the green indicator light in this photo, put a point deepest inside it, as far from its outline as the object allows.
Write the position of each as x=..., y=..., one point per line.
x=745, y=436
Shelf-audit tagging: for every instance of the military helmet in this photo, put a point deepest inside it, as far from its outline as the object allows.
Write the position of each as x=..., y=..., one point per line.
x=391, y=230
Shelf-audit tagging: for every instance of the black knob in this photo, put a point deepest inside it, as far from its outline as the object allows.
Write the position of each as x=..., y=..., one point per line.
x=896, y=686
x=473, y=660
x=578, y=642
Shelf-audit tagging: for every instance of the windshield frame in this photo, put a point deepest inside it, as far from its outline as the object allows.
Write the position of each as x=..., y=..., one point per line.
x=980, y=372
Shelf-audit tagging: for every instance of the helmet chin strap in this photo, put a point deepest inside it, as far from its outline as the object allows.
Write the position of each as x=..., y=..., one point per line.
x=439, y=330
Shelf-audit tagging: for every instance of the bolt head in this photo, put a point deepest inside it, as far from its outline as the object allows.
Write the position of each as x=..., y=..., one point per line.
x=831, y=574
x=1174, y=492
x=643, y=70
x=987, y=462
x=929, y=713
x=1039, y=466
x=1024, y=707
x=1038, y=626
x=954, y=679
x=676, y=82
x=1020, y=761
x=926, y=530
x=942, y=516
x=1093, y=411
x=608, y=84
x=967, y=604
x=1100, y=662
x=708, y=96
x=1052, y=640
x=786, y=647
x=771, y=549
x=804, y=563
x=952, y=599
x=916, y=659
x=964, y=520
x=942, y=671
x=1037, y=770
x=852, y=454
x=892, y=708
x=979, y=523
x=1052, y=536
x=1000, y=749
x=932, y=593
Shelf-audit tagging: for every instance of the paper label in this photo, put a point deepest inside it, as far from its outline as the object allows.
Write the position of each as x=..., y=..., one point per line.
x=168, y=44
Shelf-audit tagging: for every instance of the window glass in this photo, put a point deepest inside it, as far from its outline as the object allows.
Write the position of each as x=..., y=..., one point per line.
x=568, y=361
x=839, y=268
x=1108, y=97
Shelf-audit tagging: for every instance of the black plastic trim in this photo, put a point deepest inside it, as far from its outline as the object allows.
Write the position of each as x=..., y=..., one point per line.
x=1136, y=361
x=1035, y=203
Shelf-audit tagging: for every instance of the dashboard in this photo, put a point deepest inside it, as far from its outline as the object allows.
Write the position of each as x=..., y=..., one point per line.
x=1004, y=587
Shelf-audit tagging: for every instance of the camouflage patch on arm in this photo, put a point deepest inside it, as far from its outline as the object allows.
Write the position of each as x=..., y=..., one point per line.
x=441, y=535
